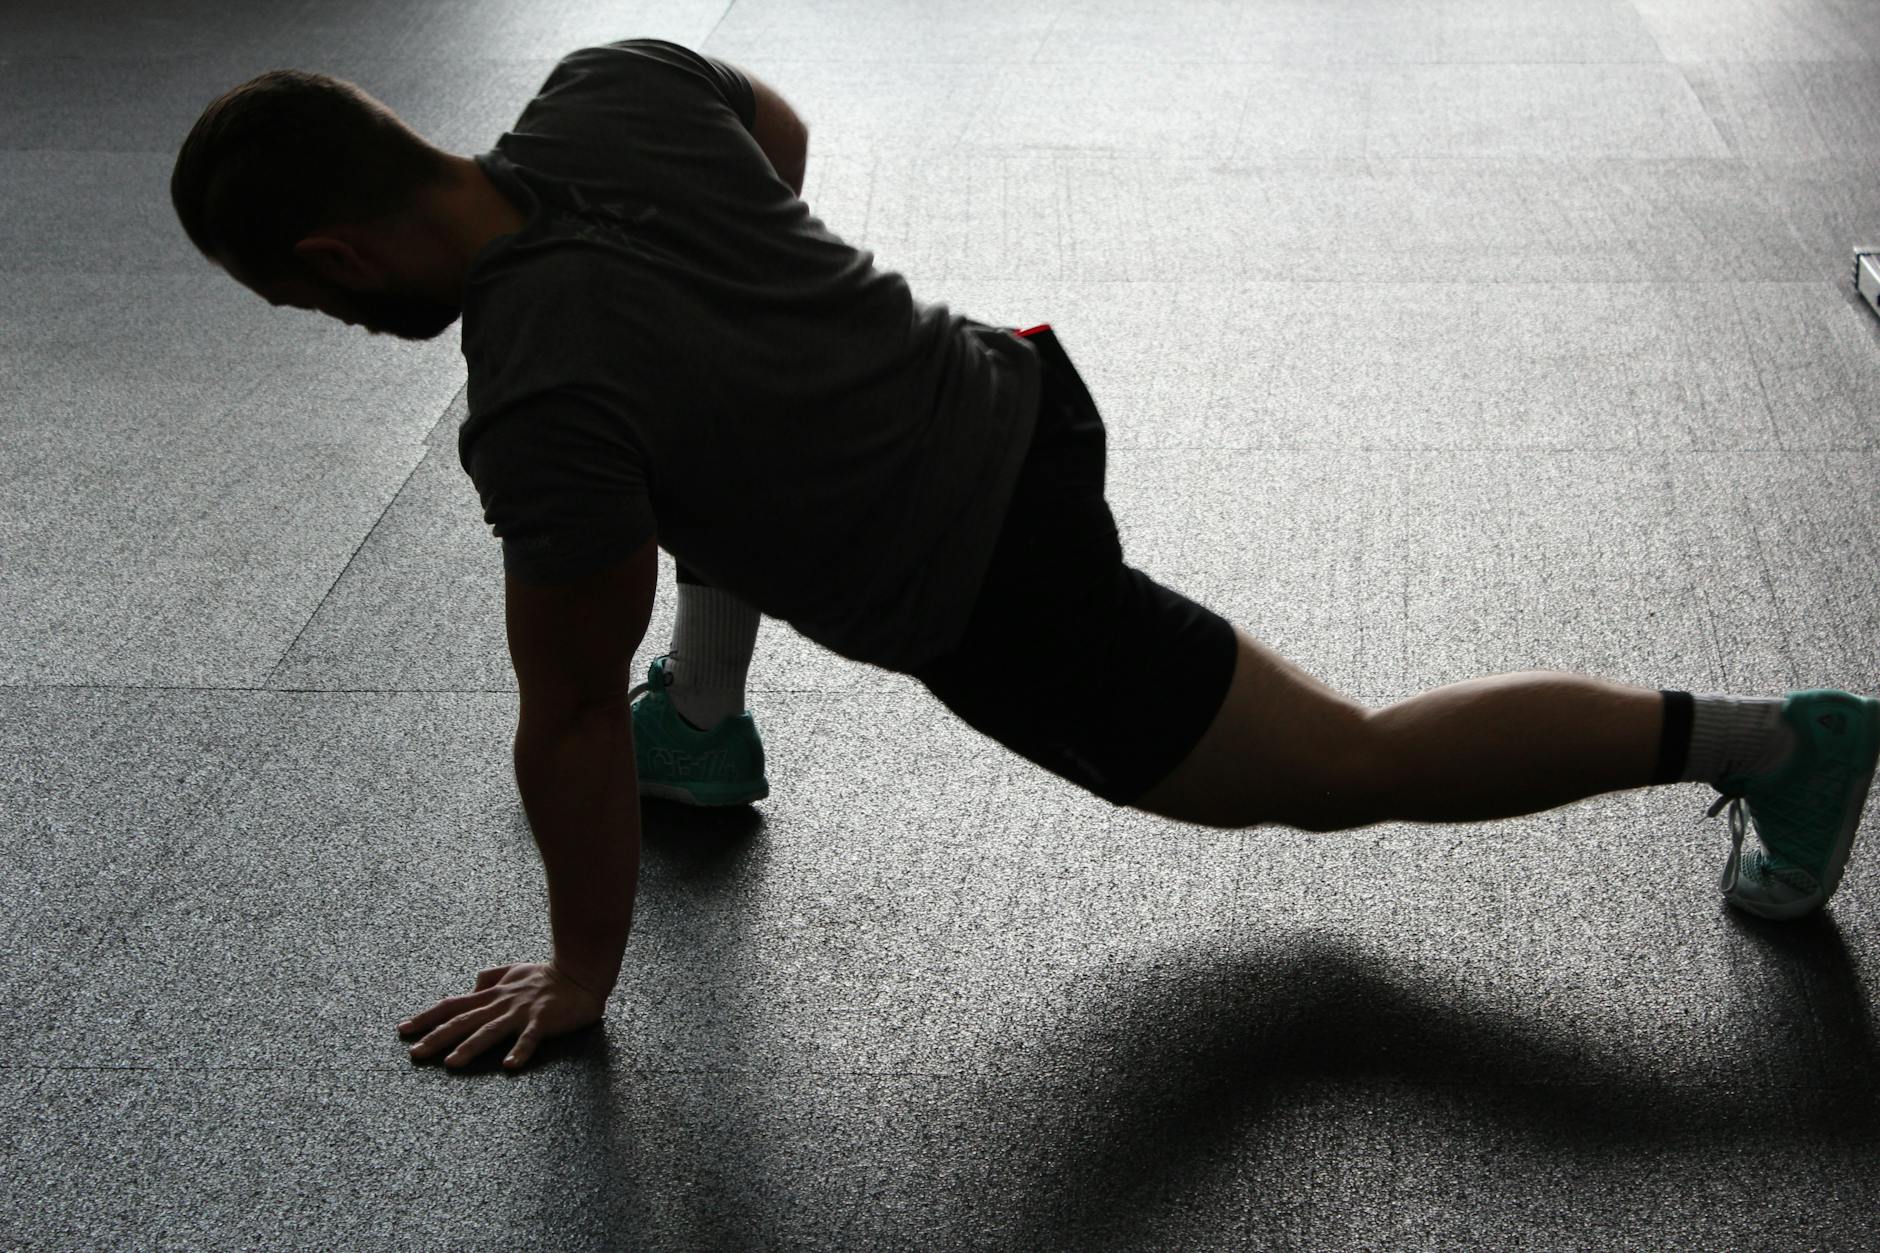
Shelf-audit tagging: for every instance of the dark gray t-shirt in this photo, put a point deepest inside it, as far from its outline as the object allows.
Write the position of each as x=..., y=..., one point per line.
x=675, y=347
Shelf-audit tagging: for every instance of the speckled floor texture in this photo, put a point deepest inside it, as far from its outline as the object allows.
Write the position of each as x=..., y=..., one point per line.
x=1434, y=339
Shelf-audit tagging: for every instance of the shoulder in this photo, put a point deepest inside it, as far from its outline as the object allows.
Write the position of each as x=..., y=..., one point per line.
x=660, y=61
x=539, y=311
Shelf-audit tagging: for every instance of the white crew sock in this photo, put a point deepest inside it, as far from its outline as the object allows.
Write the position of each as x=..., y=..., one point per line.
x=712, y=642
x=1737, y=735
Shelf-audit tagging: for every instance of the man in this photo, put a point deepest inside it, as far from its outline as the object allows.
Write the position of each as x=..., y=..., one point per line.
x=665, y=347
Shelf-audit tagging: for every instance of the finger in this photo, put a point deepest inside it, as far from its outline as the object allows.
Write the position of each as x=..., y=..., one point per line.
x=525, y=1047
x=489, y=977
x=442, y=1037
x=486, y=1036
x=445, y=1008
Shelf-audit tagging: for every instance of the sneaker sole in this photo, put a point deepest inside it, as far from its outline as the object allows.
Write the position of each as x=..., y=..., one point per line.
x=1856, y=799
x=702, y=798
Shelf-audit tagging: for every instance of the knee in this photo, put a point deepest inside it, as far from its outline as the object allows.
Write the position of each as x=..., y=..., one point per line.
x=1351, y=787
x=1317, y=765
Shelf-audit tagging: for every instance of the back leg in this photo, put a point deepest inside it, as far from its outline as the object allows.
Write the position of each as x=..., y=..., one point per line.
x=1283, y=748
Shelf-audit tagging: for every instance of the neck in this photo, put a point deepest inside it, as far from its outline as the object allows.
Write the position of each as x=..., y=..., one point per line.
x=478, y=210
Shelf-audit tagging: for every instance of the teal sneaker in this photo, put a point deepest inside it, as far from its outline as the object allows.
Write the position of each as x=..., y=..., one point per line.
x=679, y=762
x=1806, y=810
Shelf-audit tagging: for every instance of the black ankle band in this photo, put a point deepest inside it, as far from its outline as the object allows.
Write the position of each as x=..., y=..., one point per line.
x=1674, y=742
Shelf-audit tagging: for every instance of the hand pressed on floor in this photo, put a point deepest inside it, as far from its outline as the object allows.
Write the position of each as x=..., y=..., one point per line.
x=529, y=1000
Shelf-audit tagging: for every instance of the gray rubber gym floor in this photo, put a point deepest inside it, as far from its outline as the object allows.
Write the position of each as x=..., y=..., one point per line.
x=1435, y=339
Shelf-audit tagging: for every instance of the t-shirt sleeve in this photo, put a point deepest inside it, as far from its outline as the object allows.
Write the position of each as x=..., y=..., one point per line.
x=726, y=79
x=565, y=490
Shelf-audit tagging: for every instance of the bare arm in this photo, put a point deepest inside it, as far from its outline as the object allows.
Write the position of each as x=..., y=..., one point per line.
x=780, y=132
x=573, y=646
x=580, y=790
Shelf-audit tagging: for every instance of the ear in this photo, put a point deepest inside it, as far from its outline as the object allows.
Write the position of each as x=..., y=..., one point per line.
x=334, y=260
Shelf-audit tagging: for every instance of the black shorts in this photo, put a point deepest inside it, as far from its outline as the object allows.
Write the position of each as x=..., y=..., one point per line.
x=1073, y=659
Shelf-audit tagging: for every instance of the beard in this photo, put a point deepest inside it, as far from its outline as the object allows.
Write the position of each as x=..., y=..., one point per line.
x=407, y=317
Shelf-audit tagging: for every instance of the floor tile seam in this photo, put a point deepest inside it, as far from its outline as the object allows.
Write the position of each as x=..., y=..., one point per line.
x=1644, y=23
x=378, y=522
x=1703, y=110
x=703, y=44
x=428, y=441
x=1756, y=366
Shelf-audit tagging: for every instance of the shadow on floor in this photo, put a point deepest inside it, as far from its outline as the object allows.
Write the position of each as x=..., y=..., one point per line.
x=1153, y=1084
x=1084, y=1154
x=701, y=845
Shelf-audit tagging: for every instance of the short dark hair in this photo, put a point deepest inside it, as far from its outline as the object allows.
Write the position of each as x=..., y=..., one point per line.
x=290, y=151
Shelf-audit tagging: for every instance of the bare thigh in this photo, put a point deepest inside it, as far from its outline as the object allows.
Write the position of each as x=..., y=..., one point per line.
x=1283, y=748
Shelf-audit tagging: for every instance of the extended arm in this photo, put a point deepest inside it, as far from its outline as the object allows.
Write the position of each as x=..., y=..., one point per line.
x=581, y=794
x=573, y=647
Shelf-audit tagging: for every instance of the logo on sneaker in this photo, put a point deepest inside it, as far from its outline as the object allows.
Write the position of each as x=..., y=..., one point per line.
x=716, y=764
x=1837, y=723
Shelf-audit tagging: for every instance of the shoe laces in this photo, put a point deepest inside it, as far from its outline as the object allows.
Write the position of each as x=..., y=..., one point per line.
x=650, y=685
x=1739, y=827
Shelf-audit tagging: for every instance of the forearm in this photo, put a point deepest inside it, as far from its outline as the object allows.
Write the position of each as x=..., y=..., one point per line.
x=580, y=790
